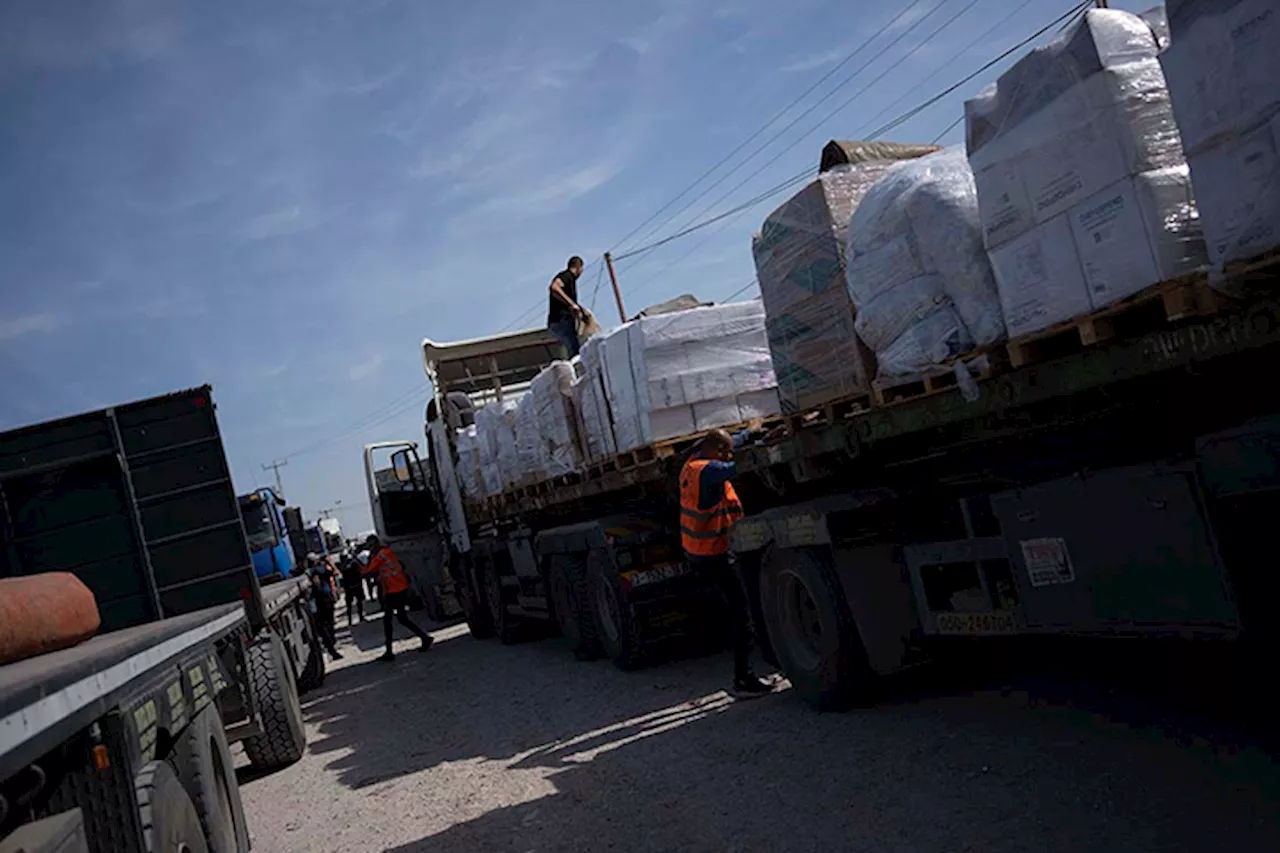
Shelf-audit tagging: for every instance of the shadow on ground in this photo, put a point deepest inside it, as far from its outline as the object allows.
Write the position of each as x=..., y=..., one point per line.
x=662, y=759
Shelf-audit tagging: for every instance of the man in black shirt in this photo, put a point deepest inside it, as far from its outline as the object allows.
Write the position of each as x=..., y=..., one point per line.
x=564, y=312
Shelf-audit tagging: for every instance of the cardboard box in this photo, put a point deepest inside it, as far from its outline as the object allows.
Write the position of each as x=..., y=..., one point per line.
x=1237, y=185
x=1115, y=252
x=1223, y=71
x=1039, y=278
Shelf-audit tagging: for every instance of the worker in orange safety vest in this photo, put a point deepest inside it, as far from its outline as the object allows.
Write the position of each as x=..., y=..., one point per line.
x=393, y=586
x=709, y=507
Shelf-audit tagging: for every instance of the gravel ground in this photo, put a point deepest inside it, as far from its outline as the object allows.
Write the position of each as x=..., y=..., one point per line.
x=478, y=747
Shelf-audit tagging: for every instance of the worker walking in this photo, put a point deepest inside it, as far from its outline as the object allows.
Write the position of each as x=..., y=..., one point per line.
x=563, y=310
x=709, y=507
x=394, y=587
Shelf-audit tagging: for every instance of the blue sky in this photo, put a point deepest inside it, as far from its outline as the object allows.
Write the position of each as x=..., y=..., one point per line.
x=282, y=199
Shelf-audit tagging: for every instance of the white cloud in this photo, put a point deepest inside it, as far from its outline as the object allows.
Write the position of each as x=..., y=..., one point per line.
x=365, y=369
x=31, y=324
x=283, y=222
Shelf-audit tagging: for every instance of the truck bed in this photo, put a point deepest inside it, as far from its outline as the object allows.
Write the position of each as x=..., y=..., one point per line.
x=45, y=699
x=1249, y=332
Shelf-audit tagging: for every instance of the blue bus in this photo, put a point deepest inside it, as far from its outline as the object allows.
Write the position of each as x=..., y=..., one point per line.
x=263, y=514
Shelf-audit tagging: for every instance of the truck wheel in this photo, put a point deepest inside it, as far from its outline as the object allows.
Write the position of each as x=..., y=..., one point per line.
x=504, y=624
x=811, y=630
x=568, y=586
x=168, y=817
x=313, y=671
x=203, y=760
x=474, y=606
x=614, y=616
x=283, y=738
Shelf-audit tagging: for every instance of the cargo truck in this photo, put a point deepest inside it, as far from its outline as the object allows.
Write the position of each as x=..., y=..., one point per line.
x=1123, y=488
x=264, y=524
x=122, y=741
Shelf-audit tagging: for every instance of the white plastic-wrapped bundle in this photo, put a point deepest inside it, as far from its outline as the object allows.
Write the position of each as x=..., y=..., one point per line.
x=1062, y=146
x=495, y=436
x=591, y=404
x=917, y=270
x=684, y=372
x=529, y=462
x=556, y=432
x=469, y=463
x=799, y=259
x=1223, y=68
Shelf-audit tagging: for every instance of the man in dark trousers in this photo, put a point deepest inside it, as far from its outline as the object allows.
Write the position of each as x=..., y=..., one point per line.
x=709, y=506
x=394, y=586
x=353, y=588
x=563, y=311
x=321, y=577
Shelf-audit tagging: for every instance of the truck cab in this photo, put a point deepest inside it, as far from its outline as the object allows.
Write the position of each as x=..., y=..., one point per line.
x=414, y=494
x=262, y=512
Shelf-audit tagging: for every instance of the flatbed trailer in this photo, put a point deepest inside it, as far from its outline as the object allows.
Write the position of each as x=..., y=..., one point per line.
x=132, y=726
x=1121, y=489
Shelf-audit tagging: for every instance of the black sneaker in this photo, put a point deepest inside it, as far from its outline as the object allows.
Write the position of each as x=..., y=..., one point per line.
x=388, y=657
x=427, y=643
x=750, y=687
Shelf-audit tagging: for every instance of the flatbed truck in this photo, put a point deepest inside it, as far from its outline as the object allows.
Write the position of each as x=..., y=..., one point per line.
x=1124, y=488
x=120, y=743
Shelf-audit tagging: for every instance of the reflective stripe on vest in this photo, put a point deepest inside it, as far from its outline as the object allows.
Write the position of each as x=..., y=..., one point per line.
x=705, y=532
x=391, y=572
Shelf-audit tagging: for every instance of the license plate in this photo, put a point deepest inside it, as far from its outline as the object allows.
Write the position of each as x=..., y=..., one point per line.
x=975, y=624
x=641, y=577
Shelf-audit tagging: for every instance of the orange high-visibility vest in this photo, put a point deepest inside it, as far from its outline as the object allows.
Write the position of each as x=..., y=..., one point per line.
x=390, y=571
x=705, y=532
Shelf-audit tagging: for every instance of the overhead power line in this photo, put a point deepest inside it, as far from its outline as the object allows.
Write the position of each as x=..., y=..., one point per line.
x=827, y=76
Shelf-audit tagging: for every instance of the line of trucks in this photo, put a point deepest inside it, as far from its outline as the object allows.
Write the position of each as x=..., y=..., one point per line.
x=1123, y=488
x=1120, y=481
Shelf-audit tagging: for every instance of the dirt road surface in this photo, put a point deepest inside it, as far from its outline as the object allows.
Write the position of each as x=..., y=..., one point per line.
x=478, y=747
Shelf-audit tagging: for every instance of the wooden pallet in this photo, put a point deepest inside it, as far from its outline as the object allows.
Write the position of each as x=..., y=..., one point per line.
x=1145, y=311
x=828, y=412
x=981, y=364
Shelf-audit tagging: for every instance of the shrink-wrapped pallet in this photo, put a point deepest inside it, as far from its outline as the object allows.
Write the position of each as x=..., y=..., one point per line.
x=1062, y=148
x=556, y=430
x=676, y=374
x=917, y=270
x=1223, y=71
x=495, y=434
x=469, y=464
x=591, y=404
x=529, y=462
x=799, y=258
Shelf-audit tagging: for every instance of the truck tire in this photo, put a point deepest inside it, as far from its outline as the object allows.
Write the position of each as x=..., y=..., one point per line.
x=567, y=584
x=169, y=820
x=283, y=737
x=313, y=671
x=611, y=608
x=203, y=760
x=811, y=630
x=475, y=608
x=504, y=624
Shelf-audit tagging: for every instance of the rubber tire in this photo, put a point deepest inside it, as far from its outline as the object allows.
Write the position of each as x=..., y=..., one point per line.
x=203, y=760
x=567, y=589
x=166, y=814
x=837, y=676
x=505, y=627
x=626, y=649
x=475, y=609
x=313, y=671
x=283, y=738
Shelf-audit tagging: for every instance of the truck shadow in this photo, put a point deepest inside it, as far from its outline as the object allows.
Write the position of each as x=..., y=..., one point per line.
x=554, y=754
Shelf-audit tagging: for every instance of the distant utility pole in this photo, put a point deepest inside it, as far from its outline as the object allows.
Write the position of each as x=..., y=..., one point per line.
x=276, y=466
x=617, y=292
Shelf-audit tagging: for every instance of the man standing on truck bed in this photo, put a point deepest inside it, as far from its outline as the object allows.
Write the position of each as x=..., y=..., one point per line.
x=394, y=584
x=564, y=312
x=709, y=506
